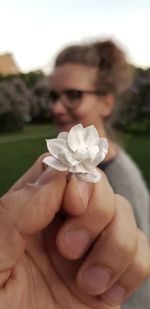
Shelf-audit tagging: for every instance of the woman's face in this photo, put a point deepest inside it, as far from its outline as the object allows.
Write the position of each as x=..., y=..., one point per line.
x=75, y=107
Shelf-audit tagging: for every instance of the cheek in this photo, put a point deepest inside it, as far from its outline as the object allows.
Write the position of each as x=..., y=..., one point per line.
x=88, y=110
x=79, y=114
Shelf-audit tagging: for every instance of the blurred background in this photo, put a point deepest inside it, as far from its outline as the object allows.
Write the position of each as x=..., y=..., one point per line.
x=31, y=34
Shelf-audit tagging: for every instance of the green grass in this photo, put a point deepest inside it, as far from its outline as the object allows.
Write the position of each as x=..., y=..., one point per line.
x=29, y=131
x=18, y=151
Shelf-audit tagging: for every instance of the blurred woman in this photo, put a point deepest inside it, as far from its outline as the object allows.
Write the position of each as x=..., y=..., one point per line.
x=85, y=85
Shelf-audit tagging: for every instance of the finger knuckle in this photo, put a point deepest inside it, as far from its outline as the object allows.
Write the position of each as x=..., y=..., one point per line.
x=128, y=248
x=120, y=200
x=143, y=264
x=104, y=214
x=143, y=269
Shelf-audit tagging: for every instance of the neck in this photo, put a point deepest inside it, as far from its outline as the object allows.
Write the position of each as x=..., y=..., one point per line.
x=112, y=147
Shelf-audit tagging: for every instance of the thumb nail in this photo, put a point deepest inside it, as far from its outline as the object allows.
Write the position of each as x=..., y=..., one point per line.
x=84, y=189
x=46, y=176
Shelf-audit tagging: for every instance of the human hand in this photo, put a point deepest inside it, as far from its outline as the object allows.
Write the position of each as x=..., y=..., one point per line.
x=34, y=271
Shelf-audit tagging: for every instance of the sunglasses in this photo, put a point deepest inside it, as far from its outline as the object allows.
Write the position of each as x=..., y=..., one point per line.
x=71, y=97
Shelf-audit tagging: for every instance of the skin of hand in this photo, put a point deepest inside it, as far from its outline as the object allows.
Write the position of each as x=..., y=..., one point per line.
x=66, y=244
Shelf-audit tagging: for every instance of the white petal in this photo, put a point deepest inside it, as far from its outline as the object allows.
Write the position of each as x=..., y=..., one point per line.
x=54, y=163
x=92, y=164
x=63, y=135
x=93, y=152
x=67, y=157
x=91, y=136
x=94, y=176
x=75, y=138
x=56, y=145
x=78, y=169
x=103, y=145
x=103, y=149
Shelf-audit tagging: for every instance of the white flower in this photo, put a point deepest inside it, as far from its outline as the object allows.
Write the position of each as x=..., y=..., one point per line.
x=78, y=152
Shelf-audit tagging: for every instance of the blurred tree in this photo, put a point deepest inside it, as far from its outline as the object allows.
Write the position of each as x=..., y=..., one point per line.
x=14, y=105
x=134, y=105
x=30, y=78
x=40, y=109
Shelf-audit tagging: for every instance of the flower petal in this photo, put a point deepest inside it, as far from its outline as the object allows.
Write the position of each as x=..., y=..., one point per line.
x=103, y=145
x=67, y=157
x=91, y=136
x=94, y=176
x=93, y=153
x=78, y=169
x=63, y=135
x=103, y=149
x=75, y=138
x=56, y=145
x=88, y=164
x=54, y=163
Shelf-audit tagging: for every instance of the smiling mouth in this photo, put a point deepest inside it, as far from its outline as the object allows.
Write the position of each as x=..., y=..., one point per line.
x=61, y=122
x=64, y=125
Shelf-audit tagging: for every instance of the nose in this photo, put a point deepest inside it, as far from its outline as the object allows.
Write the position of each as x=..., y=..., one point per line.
x=58, y=107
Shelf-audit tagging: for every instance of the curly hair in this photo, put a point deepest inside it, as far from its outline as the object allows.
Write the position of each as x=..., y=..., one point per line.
x=113, y=71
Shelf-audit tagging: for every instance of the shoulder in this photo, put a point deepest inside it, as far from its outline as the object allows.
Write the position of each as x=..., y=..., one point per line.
x=124, y=171
x=126, y=179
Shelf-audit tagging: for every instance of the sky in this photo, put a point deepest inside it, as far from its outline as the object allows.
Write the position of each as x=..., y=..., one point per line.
x=35, y=30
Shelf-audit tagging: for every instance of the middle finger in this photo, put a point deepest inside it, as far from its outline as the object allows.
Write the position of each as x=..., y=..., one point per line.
x=112, y=253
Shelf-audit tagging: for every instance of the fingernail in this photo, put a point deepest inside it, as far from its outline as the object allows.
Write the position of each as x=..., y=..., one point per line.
x=76, y=242
x=115, y=295
x=95, y=279
x=84, y=189
x=46, y=176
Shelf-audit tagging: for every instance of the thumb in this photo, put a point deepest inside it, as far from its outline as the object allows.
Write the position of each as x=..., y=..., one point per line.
x=76, y=196
x=34, y=206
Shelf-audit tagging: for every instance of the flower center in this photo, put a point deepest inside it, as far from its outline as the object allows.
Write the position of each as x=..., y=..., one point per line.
x=81, y=153
x=84, y=153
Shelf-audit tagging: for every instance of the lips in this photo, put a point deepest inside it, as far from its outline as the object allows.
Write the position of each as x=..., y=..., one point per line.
x=64, y=125
x=62, y=120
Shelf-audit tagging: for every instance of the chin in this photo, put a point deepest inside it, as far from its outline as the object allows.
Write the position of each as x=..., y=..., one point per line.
x=64, y=126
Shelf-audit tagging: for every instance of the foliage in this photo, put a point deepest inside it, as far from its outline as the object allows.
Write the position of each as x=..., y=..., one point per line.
x=14, y=105
x=40, y=111
x=30, y=78
x=23, y=98
x=134, y=105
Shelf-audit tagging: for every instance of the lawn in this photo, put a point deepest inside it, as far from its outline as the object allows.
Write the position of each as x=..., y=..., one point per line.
x=18, y=151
